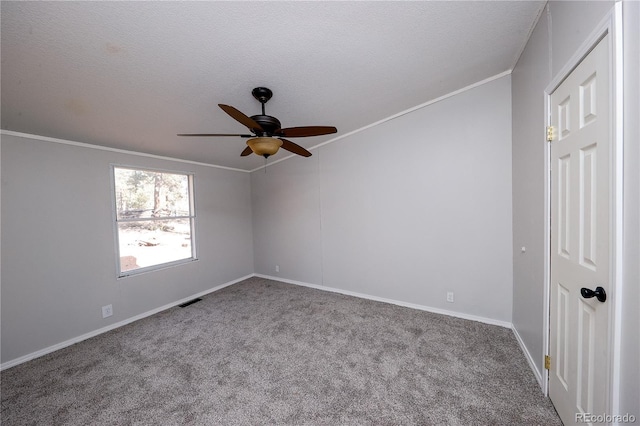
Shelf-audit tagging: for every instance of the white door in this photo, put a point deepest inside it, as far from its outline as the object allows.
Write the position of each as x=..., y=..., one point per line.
x=580, y=215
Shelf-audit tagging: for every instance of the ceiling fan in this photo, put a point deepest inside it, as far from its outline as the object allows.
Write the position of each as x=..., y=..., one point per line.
x=267, y=135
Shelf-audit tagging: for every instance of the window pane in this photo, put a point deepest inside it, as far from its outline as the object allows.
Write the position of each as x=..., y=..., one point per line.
x=149, y=243
x=147, y=194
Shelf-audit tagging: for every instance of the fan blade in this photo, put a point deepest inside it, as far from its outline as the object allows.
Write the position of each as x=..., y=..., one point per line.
x=301, y=132
x=214, y=134
x=246, y=151
x=295, y=148
x=241, y=118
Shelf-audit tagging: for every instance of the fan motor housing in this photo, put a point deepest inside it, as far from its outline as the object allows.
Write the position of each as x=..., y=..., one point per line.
x=268, y=123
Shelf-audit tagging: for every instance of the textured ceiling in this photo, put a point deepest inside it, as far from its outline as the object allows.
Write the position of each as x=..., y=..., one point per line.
x=132, y=75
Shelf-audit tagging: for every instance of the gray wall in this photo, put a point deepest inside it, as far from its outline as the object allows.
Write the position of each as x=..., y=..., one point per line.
x=286, y=219
x=406, y=210
x=58, y=251
x=529, y=78
x=559, y=33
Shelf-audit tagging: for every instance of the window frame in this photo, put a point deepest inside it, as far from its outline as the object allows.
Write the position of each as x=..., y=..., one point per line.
x=115, y=221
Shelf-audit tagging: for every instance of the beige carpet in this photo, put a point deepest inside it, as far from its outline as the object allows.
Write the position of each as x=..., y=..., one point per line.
x=263, y=352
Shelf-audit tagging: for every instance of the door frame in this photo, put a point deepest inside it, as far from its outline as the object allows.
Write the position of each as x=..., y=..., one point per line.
x=611, y=25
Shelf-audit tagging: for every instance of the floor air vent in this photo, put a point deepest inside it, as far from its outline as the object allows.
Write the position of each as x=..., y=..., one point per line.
x=190, y=302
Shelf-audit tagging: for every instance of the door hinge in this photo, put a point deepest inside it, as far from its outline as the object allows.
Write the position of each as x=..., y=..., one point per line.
x=549, y=133
x=547, y=362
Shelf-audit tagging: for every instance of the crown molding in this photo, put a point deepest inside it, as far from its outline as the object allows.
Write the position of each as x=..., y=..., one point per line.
x=118, y=150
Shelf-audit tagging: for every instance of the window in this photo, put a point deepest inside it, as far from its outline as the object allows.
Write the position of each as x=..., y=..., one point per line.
x=154, y=219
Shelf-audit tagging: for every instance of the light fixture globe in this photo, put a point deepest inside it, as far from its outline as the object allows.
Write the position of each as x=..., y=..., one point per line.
x=264, y=146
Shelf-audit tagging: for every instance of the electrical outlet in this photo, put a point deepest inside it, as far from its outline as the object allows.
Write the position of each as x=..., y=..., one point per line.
x=277, y=268
x=107, y=311
x=450, y=296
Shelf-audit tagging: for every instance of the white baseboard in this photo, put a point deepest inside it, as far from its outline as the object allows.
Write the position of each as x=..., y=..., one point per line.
x=393, y=302
x=529, y=358
x=94, y=333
